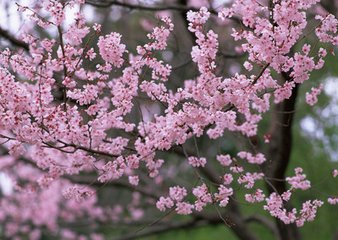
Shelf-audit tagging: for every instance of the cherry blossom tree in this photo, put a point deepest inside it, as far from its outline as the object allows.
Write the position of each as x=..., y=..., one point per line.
x=99, y=131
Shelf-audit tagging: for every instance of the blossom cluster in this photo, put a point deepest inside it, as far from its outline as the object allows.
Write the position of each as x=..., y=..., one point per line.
x=274, y=204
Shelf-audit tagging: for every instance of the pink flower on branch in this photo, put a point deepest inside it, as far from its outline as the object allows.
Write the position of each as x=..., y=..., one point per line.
x=111, y=49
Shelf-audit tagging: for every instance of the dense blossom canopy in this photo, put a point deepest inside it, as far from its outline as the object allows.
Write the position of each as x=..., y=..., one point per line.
x=63, y=118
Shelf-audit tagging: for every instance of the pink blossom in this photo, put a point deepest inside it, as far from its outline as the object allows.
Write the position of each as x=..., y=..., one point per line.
x=308, y=212
x=197, y=162
x=111, y=49
x=259, y=158
x=274, y=205
x=224, y=160
x=56, y=10
x=258, y=196
x=332, y=200
x=197, y=19
x=248, y=66
x=223, y=195
x=97, y=27
x=227, y=179
x=249, y=179
x=286, y=195
x=78, y=193
x=184, y=208
x=203, y=197
x=299, y=181
x=237, y=169
x=311, y=98
x=133, y=180
x=177, y=193
x=163, y=203
x=335, y=173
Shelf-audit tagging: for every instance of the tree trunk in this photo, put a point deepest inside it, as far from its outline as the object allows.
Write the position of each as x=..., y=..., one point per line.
x=278, y=154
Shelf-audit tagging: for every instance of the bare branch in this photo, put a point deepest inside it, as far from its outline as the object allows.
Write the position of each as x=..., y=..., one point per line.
x=180, y=8
x=118, y=183
x=166, y=228
x=152, y=8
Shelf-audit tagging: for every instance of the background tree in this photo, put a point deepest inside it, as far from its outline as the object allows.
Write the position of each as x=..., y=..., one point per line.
x=103, y=125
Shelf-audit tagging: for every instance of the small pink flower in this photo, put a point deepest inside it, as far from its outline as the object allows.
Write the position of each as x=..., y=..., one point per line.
x=197, y=162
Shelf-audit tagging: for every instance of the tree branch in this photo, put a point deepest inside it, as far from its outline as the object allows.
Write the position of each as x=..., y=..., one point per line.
x=117, y=183
x=154, y=8
x=168, y=227
x=16, y=42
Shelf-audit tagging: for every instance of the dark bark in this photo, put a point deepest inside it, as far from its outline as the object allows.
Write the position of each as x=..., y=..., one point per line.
x=279, y=152
x=181, y=7
x=14, y=41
